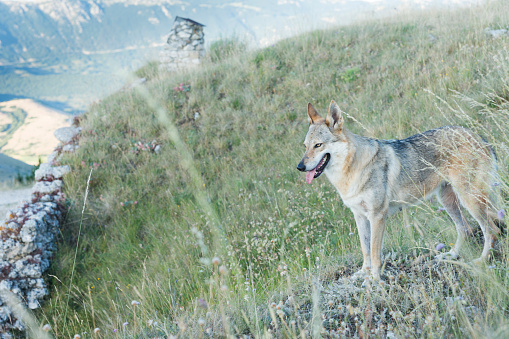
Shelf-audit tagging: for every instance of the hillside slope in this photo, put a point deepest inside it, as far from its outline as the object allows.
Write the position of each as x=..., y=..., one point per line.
x=216, y=233
x=10, y=167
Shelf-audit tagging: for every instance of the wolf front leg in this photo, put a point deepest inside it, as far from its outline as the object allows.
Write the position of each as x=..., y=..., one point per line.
x=377, y=222
x=363, y=227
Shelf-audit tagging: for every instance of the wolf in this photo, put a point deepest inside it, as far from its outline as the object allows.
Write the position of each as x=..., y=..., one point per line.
x=376, y=178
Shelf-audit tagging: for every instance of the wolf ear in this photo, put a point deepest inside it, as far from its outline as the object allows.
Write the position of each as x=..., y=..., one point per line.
x=313, y=116
x=334, y=118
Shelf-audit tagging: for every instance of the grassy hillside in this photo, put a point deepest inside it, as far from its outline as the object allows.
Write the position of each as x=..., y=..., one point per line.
x=218, y=234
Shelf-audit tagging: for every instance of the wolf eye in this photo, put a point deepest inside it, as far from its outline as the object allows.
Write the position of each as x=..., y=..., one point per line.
x=318, y=145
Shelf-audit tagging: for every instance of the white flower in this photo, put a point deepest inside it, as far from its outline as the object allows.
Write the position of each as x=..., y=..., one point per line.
x=97, y=330
x=77, y=336
x=134, y=302
x=46, y=328
x=216, y=261
x=201, y=321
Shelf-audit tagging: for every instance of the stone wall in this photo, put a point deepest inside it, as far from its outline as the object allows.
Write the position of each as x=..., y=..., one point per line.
x=185, y=45
x=28, y=235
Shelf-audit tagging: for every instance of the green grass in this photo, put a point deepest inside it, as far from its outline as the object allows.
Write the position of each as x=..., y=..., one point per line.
x=225, y=185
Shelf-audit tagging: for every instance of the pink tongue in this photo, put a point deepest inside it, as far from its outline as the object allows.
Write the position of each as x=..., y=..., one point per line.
x=310, y=176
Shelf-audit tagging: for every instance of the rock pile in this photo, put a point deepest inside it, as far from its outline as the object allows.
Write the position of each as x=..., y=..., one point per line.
x=185, y=45
x=28, y=236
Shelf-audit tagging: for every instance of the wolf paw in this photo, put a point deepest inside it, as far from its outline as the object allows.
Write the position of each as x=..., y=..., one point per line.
x=451, y=255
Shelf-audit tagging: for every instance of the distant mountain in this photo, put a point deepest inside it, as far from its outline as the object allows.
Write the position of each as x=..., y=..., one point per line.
x=68, y=53
x=46, y=32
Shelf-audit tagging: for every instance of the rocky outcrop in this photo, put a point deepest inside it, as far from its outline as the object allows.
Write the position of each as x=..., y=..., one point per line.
x=185, y=45
x=28, y=235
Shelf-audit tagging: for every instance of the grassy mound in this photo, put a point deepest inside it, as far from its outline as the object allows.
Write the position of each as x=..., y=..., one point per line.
x=217, y=234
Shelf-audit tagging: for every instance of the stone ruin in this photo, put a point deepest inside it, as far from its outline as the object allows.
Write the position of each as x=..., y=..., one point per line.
x=185, y=45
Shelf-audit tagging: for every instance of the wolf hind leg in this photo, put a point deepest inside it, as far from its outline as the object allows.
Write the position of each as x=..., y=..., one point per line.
x=449, y=199
x=480, y=207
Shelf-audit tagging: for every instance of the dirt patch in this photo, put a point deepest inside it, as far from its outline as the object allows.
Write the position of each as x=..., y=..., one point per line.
x=11, y=198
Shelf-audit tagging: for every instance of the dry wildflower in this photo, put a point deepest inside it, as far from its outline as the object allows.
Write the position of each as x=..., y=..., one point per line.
x=77, y=336
x=97, y=330
x=202, y=303
x=222, y=269
x=201, y=321
x=224, y=288
x=134, y=302
x=46, y=328
x=216, y=261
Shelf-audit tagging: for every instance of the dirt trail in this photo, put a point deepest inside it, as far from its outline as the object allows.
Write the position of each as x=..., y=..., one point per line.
x=11, y=198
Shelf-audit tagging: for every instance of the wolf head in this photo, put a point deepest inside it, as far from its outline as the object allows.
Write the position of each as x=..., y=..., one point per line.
x=321, y=141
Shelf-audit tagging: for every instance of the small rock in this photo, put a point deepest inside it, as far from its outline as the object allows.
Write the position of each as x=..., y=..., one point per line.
x=47, y=187
x=46, y=171
x=69, y=148
x=65, y=134
x=53, y=157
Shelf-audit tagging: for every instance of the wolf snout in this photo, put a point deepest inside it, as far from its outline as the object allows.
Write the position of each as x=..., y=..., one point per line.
x=301, y=167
